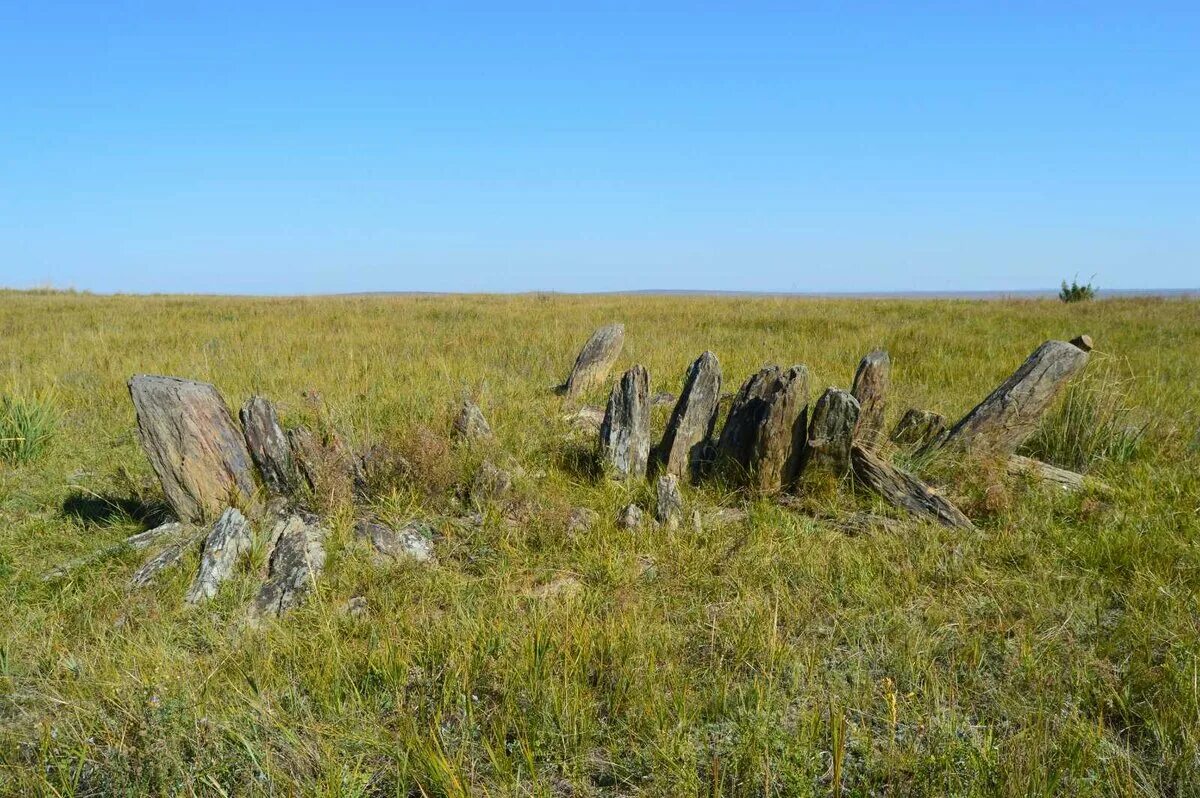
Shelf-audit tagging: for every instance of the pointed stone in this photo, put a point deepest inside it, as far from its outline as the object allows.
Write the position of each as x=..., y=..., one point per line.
x=470, y=424
x=268, y=445
x=595, y=360
x=765, y=434
x=1010, y=414
x=297, y=561
x=625, y=431
x=228, y=541
x=686, y=439
x=918, y=428
x=870, y=390
x=668, y=508
x=831, y=432
x=193, y=445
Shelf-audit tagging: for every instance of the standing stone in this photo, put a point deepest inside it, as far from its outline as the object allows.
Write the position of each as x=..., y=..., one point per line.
x=767, y=427
x=625, y=431
x=1010, y=414
x=870, y=390
x=595, y=360
x=297, y=561
x=831, y=432
x=470, y=424
x=192, y=443
x=917, y=428
x=268, y=445
x=688, y=432
x=668, y=507
x=229, y=539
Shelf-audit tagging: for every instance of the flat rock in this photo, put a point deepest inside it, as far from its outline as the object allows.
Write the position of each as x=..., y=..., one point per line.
x=586, y=419
x=564, y=587
x=686, y=441
x=229, y=539
x=662, y=398
x=193, y=445
x=268, y=445
x=595, y=360
x=625, y=432
x=413, y=541
x=297, y=561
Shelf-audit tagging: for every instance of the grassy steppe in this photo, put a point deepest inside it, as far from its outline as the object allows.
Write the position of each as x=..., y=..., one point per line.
x=1054, y=651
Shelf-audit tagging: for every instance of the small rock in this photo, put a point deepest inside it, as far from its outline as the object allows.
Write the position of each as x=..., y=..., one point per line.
x=728, y=515
x=586, y=419
x=668, y=508
x=470, y=425
x=562, y=588
x=580, y=521
x=697, y=522
x=296, y=563
x=647, y=569
x=490, y=482
x=630, y=517
x=413, y=541
x=356, y=607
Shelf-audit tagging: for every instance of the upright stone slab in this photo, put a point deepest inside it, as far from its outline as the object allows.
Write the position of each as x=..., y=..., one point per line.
x=297, y=561
x=228, y=541
x=870, y=390
x=268, y=445
x=917, y=428
x=668, y=505
x=767, y=427
x=1010, y=414
x=834, y=419
x=595, y=360
x=625, y=431
x=193, y=445
x=688, y=432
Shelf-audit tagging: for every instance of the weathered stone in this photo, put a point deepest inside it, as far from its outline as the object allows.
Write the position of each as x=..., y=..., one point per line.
x=297, y=561
x=918, y=428
x=630, y=517
x=685, y=442
x=135, y=542
x=328, y=467
x=1018, y=465
x=625, y=432
x=662, y=398
x=586, y=419
x=834, y=418
x=490, y=482
x=1010, y=414
x=413, y=541
x=870, y=390
x=141, y=540
x=728, y=515
x=193, y=445
x=268, y=445
x=229, y=539
x=166, y=558
x=356, y=607
x=767, y=428
x=902, y=489
x=595, y=360
x=1083, y=342
x=469, y=424
x=668, y=508
x=580, y=520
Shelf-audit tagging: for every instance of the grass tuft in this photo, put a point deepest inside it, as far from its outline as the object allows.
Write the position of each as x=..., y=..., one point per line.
x=27, y=425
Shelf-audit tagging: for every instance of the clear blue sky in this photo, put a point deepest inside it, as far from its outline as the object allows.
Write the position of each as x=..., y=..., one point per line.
x=295, y=147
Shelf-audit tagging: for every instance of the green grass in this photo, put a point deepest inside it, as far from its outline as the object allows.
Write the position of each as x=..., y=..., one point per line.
x=1053, y=651
x=27, y=424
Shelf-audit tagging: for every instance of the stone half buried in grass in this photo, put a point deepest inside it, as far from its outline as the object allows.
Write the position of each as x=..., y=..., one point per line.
x=228, y=541
x=470, y=425
x=668, y=507
x=413, y=541
x=296, y=563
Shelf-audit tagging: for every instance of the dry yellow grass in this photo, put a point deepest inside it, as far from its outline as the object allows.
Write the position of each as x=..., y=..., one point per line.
x=1054, y=651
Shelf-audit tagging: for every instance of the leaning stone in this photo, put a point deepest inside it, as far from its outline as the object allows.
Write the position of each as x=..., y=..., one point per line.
x=192, y=443
x=668, y=508
x=870, y=391
x=268, y=445
x=297, y=561
x=625, y=433
x=831, y=433
x=469, y=424
x=413, y=541
x=630, y=517
x=226, y=543
x=685, y=441
x=595, y=360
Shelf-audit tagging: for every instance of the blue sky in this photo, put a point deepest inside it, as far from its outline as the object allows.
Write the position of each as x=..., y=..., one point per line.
x=304, y=148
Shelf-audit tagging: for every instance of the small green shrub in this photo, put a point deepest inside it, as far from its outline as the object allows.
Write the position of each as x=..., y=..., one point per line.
x=1077, y=292
x=27, y=424
x=1094, y=423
